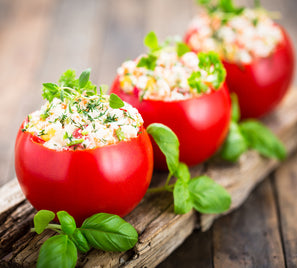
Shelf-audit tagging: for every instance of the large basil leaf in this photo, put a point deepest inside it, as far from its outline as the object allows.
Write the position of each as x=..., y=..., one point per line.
x=208, y=196
x=109, y=232
x=57, y=251
x=167, y=142
x=235, y=144
x=262, y=139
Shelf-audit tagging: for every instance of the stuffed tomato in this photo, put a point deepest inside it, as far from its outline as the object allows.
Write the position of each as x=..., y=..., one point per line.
x=182, y=91
x=257, y=54
x=80, y=155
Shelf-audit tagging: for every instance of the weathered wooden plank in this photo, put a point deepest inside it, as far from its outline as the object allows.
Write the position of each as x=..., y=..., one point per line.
x=10, y=195
x=153, y=218
x=257, y=238
x=286, y=188
x=283, y=123
x=195, y=252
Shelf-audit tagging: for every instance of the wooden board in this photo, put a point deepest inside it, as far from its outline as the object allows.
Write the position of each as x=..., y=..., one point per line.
x=160, y=230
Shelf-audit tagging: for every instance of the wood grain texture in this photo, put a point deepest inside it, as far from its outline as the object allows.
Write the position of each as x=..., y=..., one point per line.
x=286, y=192
x=161, y=231
x=257, y=240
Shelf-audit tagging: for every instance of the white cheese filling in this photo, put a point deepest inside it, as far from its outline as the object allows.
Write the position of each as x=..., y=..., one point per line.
x=240, y=39
x=167, y=82
x=85, y=123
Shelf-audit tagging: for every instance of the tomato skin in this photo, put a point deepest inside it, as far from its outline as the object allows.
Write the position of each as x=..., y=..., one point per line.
x=201, y=124
x=260, y=85
x=85, y=182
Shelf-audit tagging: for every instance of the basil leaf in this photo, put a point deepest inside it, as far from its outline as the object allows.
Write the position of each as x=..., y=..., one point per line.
x=84, y=78
x=182, y=172
x=109, y=232
x=68, y=79
x=235, y=116
x=80, y=241
x=151, y=41
x=262, y=139
x=228, y=7
x=41, y=219
x=68, y=224
x=50, y=91
x=235, y=144
x=149, y=62
x=167, y=142
x=182, y=198
x=57, y=251
x=181, y=49
x=115, y=101
x=208, y=196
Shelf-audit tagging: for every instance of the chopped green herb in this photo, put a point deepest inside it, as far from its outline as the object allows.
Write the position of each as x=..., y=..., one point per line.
x=195, y=81
x=110, y=119
x=226, y=6
x=42, y=132
x=120, y=134
x=75, y=142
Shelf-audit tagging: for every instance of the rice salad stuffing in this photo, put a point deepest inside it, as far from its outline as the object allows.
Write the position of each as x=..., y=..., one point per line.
x=169, y=79
x=86, y=122
x=240, y=38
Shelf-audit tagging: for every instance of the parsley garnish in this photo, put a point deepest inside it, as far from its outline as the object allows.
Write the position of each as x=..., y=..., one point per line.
x=225, y=6
x=209, y=62
x=110, y=119
x=120, y=134
x=42, y=132
x=69, y=87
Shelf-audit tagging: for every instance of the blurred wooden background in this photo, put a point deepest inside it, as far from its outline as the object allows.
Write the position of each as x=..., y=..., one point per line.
x=39, y=39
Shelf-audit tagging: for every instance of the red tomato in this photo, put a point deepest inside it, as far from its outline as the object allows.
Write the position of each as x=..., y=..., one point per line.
x=201, y=124
x=110, y=179
x=262, y=84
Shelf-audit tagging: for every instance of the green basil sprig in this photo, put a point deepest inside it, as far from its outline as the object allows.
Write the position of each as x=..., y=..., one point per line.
x=201, y=193
x=102, y=231
x=69, y=86
x=151, y=41
x=226, y=6
x=249, y=134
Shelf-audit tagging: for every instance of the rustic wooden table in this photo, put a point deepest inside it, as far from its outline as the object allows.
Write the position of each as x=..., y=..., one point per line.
x=39, y=39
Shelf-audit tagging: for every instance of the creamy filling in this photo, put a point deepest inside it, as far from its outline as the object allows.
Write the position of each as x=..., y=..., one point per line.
x=240, y=38
x=83, y=123
x=169, y=79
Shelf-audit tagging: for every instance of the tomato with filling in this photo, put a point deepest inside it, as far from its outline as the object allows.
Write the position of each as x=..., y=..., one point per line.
x=111, y=179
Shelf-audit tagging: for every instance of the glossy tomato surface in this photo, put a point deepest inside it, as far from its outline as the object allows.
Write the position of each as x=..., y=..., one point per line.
x=201, y=124
x=111, y=179
x=261, y=85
